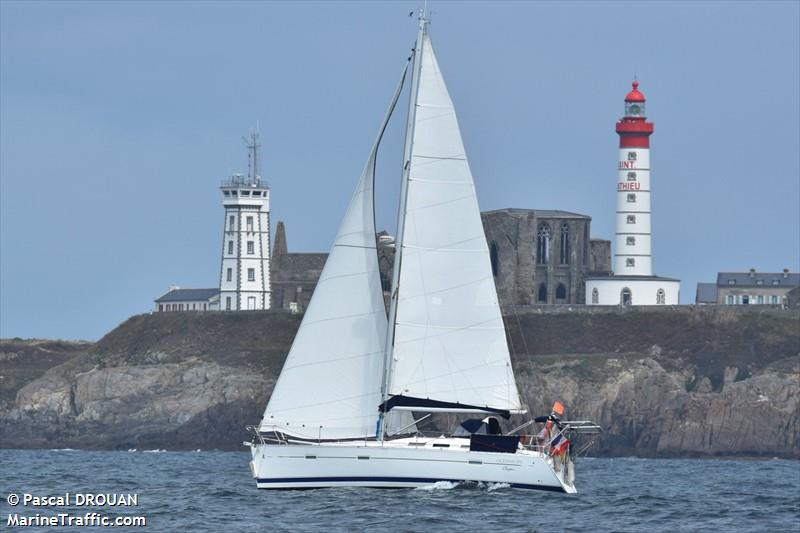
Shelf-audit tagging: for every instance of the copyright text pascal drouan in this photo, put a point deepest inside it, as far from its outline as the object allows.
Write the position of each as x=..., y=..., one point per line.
x=69, y=517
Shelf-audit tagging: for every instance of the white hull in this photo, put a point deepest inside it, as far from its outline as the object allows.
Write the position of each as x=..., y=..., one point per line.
x=399, y=464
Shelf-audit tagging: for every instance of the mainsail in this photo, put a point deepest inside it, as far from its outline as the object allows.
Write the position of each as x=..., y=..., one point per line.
x=330, y=384
x=449, y=343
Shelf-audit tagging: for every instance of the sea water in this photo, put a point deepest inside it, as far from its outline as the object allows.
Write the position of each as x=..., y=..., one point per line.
x=213, y=491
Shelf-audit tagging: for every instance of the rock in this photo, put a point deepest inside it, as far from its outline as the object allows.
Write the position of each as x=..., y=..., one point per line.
x=669, y=383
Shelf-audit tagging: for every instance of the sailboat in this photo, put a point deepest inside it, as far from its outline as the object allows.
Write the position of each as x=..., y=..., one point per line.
x=342, y=412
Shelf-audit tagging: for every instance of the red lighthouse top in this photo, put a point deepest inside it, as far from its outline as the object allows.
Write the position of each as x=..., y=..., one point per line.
x=633, y=129
x=635, y=95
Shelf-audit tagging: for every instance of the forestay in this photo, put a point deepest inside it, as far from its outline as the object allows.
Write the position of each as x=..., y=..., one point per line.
x=449, y=339
x=330, y=384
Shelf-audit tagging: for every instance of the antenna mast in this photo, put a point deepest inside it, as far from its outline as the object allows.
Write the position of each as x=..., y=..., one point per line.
x=253, y=147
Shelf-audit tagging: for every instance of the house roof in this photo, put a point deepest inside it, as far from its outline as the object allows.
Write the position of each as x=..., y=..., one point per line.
x=706, y=293
x=540, y=213
x=183, y=295
x=752, y=279
x=294, y=266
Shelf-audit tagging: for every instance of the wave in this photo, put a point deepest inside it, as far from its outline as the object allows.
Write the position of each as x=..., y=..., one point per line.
x=439, y=485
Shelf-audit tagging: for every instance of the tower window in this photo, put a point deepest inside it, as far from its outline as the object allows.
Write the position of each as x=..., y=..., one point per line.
x=543, y=244
x=229, y=275
x=630, y=241
x=595, y=296
x=630, y=262
x=631, y=176
x=230, y=247
x=631, y=219
x=493, y=257
x=631, y=156
x=631, y=198
x=251, y=247
x=661, y=297
x=564, y=255
x=251, y=274
x=231, y=222
x=227, y=303
x=561, y=292
x=249, y=223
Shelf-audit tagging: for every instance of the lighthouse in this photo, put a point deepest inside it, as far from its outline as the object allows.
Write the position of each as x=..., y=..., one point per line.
x=632, y=253
x=244, y=278
x=633, y=281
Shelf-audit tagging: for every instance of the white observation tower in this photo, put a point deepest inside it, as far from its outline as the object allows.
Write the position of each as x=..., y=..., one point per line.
x=244, y=275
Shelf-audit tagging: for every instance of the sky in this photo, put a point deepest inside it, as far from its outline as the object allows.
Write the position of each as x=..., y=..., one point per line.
x=118, y=120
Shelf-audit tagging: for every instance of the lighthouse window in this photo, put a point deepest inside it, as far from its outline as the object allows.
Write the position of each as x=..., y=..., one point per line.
x=661, y=297
x=543, y=244
x=230, y=247
x=251, y=274
x=595, y=296
x=631, y=176
x=226, y=193
x=249, y=223
x=625, y=297
x=631, y=219
x=564, y=255
x=630, y=241
x=631, y=156
x=256, y=193
x=631, y=198
x=251, y=248
x=227, y=303
x=229, y=275
x=231, y=222
x=630, y=262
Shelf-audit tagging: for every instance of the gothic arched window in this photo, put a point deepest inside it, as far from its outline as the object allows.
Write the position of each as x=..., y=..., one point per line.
x=542, y=296
x=595, y=296
x=661, y=296
x=494, y=258
x=543, y=244
x=561, y=292
x=625, y=297
x=564, y=244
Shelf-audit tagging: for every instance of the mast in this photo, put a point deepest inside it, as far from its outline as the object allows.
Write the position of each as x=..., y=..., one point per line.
x=398, y=251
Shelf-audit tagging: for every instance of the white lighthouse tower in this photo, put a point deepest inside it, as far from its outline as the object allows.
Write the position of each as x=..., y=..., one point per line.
x=244, y=277
x=633, y=282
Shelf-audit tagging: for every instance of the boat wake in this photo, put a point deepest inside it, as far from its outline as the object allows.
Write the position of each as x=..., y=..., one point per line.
x=440, y=485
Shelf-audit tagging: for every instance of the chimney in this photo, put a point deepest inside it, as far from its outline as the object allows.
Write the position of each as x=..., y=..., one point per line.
x=785, y=273
x=752, y=273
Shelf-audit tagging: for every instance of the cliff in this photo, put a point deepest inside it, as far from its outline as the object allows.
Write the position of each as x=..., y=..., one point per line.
x=662, y=382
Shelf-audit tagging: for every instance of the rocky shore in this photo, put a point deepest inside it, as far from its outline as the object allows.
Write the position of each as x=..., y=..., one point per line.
x=683, y=381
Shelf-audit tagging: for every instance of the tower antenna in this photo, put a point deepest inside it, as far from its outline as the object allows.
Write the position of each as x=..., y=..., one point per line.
x=252, y=154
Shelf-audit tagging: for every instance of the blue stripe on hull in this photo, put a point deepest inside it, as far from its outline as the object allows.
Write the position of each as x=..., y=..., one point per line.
x=359, y=479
